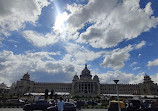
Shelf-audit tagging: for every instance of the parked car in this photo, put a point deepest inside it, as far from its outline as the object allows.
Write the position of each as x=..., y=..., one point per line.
x=113, y=106
x=38, y=105
x=67, y=107
x=93, y=103
x=80, y=103
x=146, y=105
x=134, y=105
x=154, y=106
x=16, y=101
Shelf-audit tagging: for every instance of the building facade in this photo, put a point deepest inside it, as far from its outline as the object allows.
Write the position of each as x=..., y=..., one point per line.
x=3, y=88
x=85, y=86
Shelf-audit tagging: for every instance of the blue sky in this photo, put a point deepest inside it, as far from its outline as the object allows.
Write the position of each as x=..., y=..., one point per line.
x=54, y=39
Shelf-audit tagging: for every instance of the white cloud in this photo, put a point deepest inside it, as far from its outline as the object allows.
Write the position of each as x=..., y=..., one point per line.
x=154, y=78
x=134, y=63
x=81, y=55
x=12, y=66
x=126, y=78
x=140, y=45
x=43, y=63
x=14, y=13
x=136, y=68
x=39, y=40
x=60, y=22
x=109, y=27
x=117, y=57
x=81, y=15
x=153, y=63
x=139, y=55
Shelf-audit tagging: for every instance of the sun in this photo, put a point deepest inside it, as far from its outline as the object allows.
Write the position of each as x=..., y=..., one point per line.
x=60, y=21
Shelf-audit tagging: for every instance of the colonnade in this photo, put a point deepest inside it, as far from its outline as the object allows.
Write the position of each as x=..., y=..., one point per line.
x=86, y=88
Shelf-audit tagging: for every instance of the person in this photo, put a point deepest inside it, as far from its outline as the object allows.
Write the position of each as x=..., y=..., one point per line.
x=145, y=106
x=79, y=104
x=39, y=97
x=61, y=105
x=53, y=102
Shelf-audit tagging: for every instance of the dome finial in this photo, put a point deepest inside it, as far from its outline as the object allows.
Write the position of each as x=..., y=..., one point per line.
x=145, y=74
x=86, y=66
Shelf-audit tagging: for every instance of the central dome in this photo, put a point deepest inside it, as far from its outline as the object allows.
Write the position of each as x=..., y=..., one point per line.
x=85, y=71
x=86, y=74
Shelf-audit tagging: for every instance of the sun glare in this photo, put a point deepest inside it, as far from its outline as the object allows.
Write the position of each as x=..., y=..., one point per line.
x=60, y=21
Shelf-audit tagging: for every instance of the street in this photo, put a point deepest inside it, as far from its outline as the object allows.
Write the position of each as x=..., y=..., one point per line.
x=20, y=109
x=93, y=110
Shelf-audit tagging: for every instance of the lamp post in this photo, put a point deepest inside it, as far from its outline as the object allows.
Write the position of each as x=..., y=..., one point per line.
x=116, y=81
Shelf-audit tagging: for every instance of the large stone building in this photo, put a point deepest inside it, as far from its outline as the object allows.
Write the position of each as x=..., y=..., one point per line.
x=85, y=86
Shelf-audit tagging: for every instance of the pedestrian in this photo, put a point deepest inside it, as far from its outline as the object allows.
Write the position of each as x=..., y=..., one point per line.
x=61, y=105
x=79, y=104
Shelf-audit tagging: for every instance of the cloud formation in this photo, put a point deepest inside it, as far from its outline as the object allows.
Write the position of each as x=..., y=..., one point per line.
x=140, y=45
x=13, y=66
x=80, y=55
x=40, y=40
x=136, y=68
x=155, y=78
x=15, y=13
x=126, y=78
x=109, y=28
x=43, y=63
x=134, y=63
x=117, y=58
x=153, y=63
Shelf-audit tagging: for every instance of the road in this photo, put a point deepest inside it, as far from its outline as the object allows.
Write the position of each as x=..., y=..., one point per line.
x=93, y=110
x=20, y=109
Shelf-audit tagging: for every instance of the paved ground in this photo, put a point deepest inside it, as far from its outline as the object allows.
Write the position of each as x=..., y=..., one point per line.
x=93, y=110
x=20, y=109
x=11, y=109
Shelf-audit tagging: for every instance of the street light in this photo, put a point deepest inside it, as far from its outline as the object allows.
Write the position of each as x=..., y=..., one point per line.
x=116, y=81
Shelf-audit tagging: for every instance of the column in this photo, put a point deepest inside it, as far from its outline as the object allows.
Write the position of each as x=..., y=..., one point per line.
x=79, y=87
x=88, y=87
x=82, y=87
x=92, y=87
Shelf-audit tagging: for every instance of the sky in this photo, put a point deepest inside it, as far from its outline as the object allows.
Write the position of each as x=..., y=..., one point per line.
x=52, y=40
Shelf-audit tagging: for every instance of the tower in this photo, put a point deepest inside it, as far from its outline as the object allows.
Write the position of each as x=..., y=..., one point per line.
x=24, y=85
x=148, y=87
